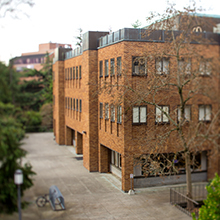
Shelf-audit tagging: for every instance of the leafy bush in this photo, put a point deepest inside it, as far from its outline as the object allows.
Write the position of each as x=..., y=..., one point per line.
x=211, y=208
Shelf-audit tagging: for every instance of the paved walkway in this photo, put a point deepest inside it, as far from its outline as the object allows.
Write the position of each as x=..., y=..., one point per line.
x=87, y=195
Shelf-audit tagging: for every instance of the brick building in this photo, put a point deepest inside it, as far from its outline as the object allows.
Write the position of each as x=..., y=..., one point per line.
x=34, y=60
x=97, y=111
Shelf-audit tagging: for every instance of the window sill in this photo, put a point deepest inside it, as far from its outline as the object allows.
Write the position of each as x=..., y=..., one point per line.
x=140, y=123
x=141, y=75
x=162, y=123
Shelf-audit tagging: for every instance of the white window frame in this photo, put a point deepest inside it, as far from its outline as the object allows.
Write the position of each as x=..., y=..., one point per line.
x=187, y=113
x=112, y=113
x=204, y=115
x=162, y=66
x=139, y=66
x=106, y=111
x=137, y=116
x=160, y=115
x=119, y=114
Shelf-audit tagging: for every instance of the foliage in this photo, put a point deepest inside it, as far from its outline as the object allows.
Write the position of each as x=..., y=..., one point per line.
x=12, y=7
x=46, y=113
x=79, y=38
x=11, y=154
x=31, y=121
x=211, y=208
x=137, y=24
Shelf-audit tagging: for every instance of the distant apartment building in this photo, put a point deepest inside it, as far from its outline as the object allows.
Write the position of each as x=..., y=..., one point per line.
x=110, y=129
x=34, y=60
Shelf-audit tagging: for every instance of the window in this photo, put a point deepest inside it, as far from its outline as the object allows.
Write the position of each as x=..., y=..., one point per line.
x=106, y=111
x=112, y=113
x=184, y=66
x=205, y=68
x=80, y=72
x=115, y=159
x=74, y=108
x=119, y=65
x=71, y=103
x=139, y=114
x=68, y=77
x=77, y=105
x=70, y=73
x=106, y=68
x=205, y=112
x=73, y=72
x=101, y=68
x=112, y=70
x=68, y=103
x=119, y=114
x=80, y=105
x=65, y=74
x=187, y=113
x=161, y=114
x=77, y=72
x=139, y=66
x=162, y=66
x=101, y=110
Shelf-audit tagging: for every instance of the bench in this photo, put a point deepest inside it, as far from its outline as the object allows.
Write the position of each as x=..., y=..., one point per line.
x=56, y=199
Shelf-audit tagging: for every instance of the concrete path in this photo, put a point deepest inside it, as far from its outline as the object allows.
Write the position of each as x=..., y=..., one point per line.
x=87, y=195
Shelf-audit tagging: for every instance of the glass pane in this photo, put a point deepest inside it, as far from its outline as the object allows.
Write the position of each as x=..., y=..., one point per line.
x=112, y=157
x=165, y=65
x=187, y=113
x=165, y=118
x=158, y=66
x=208, y=68
x=158, y=115
x=135, y=114
x=201, y=112
x=208, y=113
x=188, y=67
x=143, y=113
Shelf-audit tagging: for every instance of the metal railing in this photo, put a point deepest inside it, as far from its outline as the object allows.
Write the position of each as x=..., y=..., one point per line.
x=180, y=200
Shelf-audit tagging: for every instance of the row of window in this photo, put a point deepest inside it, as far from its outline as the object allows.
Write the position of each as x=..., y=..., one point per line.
x=140, y=114
x=112, y=67
x=73, y=73
x=139, y=66
x=73, y=104
x=112, y=112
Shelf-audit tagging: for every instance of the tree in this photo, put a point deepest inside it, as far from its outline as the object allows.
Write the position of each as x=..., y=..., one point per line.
x=174, y=70
x=137, y=24
x=211, y=208
x=79, y=38
x=11, y=154
x=12, y=7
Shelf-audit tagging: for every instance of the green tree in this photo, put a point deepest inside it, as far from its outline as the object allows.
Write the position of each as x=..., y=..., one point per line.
x=136, y=24
x=11, y=154
x=211, y=208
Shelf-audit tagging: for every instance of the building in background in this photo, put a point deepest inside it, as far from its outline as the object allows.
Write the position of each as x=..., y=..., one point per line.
x=34, y=60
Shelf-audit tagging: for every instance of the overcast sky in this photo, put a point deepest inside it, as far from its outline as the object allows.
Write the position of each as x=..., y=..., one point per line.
x=59, y=21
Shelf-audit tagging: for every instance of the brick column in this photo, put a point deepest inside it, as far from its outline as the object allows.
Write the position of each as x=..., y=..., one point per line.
x=104, y=159
x=79, y=144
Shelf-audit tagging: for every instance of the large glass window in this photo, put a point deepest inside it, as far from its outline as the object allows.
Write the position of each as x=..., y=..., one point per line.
x=119, y=114
x=205, y=112
x=112, y=70
x=187, y=113
x=139, y=114
x=139, y=66
x=161, y=114
x=106, y=67
x=162, y=66
x=101, y=68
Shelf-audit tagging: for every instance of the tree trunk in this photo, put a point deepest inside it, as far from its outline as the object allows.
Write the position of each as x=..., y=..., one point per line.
x=190, y=205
